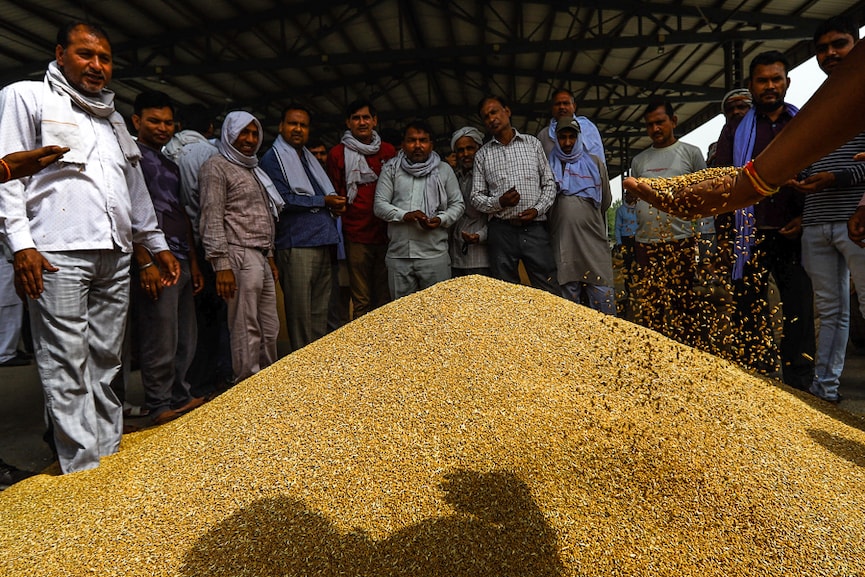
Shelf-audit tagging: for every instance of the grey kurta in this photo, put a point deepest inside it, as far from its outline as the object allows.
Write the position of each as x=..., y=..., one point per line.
x=579, y=236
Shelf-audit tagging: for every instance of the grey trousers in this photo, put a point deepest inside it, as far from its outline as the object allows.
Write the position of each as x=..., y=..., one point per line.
x=306, y=278
x=78, y=325
x=252, y=318
x=11, y=312
x=410, y=275
x=166, y=332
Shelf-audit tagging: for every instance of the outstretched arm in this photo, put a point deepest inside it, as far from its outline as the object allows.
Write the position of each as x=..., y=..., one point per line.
x=701, y=193
x=29, y=162
x=830, y=118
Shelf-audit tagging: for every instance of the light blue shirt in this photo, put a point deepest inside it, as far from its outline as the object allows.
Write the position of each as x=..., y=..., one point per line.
x=626, y=221
x=190, y=159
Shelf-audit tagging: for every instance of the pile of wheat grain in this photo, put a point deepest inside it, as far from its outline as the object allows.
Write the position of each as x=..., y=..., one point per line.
x=474, y=429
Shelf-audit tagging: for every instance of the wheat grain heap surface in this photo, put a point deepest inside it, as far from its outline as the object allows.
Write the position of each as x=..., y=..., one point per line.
x=474, y=429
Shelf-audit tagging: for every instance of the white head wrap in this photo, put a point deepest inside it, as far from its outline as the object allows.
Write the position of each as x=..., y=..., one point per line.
x=469, y=131
x=232, y=126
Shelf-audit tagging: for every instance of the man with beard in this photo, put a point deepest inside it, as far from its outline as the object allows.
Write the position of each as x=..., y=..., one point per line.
x=766, y=237
x=563, y=104
x=419, y=197
x=469, y=235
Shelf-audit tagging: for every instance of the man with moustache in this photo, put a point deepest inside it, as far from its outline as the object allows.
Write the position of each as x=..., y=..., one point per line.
x=419, y=197
x=513, y=184
x=238, y=205
x=665, y=246
x=766, y=237
x=833, y=187
x=354, y=166
x=735, y=105
x=71, y=228
x=563, y=104
x=468, y=247
x=306, y=233
x=317, y=148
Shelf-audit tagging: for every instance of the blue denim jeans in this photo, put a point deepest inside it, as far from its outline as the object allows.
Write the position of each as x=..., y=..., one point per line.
x=830, y=258
x=600, y=298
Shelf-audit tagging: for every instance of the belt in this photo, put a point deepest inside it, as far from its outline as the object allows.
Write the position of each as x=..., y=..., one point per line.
x=516, y=222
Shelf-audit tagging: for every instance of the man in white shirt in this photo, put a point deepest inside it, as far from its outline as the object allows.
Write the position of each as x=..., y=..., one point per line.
x=77, y=220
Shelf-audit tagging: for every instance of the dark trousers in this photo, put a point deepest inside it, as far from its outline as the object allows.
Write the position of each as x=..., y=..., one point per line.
x=508, y=244
x=629, y=264
x=211, y=366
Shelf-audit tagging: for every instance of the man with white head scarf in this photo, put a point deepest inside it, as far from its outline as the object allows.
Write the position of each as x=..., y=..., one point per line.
x=419, y=197
x=238, y=205
x=468, y=247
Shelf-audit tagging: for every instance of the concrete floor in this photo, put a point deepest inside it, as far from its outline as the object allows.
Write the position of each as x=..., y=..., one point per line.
x=22, y=423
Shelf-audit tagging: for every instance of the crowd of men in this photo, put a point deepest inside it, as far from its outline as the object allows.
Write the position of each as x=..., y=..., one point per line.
x=794, y=242
x=194, y=234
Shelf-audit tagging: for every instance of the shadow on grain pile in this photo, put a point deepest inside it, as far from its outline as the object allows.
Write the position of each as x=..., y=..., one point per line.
x=474, y=429
x=496, y=529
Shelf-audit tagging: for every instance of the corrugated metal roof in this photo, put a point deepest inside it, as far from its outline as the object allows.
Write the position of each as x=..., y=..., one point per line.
x=426, y=58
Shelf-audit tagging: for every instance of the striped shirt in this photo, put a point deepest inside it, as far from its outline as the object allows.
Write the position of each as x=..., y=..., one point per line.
x=838, y=202
x=519, y=164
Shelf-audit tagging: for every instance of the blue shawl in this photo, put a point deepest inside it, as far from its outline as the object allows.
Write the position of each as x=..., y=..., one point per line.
x=743, y=151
